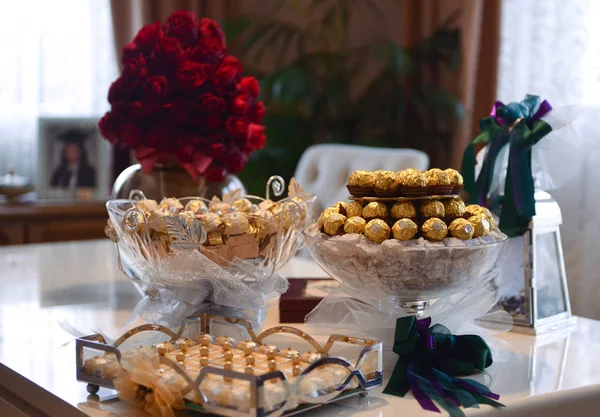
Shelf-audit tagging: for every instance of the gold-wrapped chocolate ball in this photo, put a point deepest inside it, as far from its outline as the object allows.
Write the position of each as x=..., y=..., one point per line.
x=241, y=205
x=235, y=224
x=196, y=206
x=341, y=207
x=353, y=209
x=472, y=210
x=355, y=225
x=404, y=229
x=189, y=216
x=326, y=213
x=386, y=182
x=432, y=208
x=211, y=222
x=157, y=221
x=481, y=225
x=454, y=207
x=411, y=178
x=377, y=230
x=147, y=206
x=375, y=210
x=265, y=223
x=461, y=229
x=361, y=179
x=487, y=213
x=171, y=204
x=403, y=210
x=436, y=176
x=434, y=229
x=334, y=224
x=455, y=178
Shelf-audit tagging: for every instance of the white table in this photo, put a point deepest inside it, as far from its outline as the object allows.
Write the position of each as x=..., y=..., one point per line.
x=79, y=283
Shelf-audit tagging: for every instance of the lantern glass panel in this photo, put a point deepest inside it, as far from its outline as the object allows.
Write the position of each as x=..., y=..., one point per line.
x=550, y=294
x=511, y=283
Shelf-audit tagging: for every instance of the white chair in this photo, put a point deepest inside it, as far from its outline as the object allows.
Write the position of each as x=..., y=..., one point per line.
x=324, y=169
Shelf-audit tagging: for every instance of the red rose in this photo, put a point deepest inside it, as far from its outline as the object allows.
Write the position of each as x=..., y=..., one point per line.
x=129, y=133
x=241, y=104
x=180, y=110
x=169, y=51
x=135, y=67
x=118, y=90
x=238, y=127
x=229, y=71
x=191, y=74
x=259, y=112
x=236, y=160
x=212, y=38
x=249, y=86
x=182, y=25
x=155, y=88
x=148, y=36
x=142, y=109
x=159, y=132
x=257, y=137
x=108, y=128
x=211, y=108
x=214, y=172
x=130, y=50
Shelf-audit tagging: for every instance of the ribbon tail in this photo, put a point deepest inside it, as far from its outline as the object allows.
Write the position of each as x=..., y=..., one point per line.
x=398, y=384
x=468, y=169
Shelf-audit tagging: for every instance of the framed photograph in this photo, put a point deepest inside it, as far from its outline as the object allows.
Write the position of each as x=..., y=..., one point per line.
x=73, y=159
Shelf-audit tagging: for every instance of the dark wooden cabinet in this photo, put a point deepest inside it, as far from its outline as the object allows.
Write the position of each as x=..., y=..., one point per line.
x=44, y=221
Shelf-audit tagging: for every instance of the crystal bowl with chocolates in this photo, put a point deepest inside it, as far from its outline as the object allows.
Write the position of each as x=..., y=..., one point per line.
x=188, y=254
x=407, y=237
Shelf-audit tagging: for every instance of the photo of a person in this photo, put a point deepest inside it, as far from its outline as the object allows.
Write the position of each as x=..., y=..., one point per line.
x=73, y=169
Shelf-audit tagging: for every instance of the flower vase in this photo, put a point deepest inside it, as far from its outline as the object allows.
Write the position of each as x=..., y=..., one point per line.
x=170, y=181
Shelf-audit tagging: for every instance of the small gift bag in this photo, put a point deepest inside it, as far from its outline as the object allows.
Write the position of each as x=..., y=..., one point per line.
x=524, y=150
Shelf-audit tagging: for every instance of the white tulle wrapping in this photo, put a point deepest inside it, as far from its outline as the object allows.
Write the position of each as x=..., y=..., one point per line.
x=555, y=156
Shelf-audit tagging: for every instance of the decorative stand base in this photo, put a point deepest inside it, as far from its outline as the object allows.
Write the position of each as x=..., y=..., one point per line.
x=414, y=308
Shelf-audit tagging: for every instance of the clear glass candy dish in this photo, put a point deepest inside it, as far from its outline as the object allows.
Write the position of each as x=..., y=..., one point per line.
x=409, y=274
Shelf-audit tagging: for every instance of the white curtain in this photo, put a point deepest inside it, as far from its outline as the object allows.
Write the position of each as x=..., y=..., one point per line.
x=57, y=60
x=551, y=48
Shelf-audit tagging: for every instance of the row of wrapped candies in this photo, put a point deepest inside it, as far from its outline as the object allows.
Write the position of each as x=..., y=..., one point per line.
x=406, y=183
x=432, y=219
x=240, y=229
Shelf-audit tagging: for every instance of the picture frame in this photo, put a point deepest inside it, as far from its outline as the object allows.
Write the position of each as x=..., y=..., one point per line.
x=73, y=159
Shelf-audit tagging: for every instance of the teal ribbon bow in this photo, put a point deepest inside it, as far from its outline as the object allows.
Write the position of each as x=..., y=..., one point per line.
x=519, y=126
x=431, y=358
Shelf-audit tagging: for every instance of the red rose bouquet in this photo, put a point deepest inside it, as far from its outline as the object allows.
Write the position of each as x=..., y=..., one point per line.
x=181, y=95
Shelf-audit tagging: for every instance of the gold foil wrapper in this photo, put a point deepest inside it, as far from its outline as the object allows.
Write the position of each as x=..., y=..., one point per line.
x=341, y=207
x=353, y=209
x=211, y=222
x=432, y=208
x=385, y=181
x=355, y=225
x=404, y=229
x=189, y=216
x=436, y=176
x=481, y=225
x=472, y=210
x=242, y=205
x=196, y=206
x=157, y=222
x=363, y=179
x=221, y=208
x=265, y=223
x=334, y=224
x=327, y=212
x=411, y=178
x=454, y=207
x=461, y=229
x=266, y=205
x=487, y=213
x=434, y=229
x=403, y=210
x=377, y=230
x=375, y=210
x=171, y=204
x=455, y=178
x=147, y=206
x=235, y=224
x=214, y=238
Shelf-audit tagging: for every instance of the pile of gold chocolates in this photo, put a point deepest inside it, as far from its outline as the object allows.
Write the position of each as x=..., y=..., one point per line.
x=407, y=183
x=238, y=229
x=431, y=218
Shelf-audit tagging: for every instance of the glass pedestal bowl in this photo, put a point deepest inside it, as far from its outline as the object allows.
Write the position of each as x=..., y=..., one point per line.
x=406, y=275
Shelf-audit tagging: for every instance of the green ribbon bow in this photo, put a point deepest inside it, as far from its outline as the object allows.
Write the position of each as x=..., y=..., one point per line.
x=519, y=126
x=429, y=360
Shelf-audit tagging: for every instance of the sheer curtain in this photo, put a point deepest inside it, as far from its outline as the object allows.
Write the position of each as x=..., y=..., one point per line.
x=551, y=48
x=57, y=61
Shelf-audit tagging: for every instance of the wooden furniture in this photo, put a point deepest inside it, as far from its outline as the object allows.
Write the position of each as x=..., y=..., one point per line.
x=46, y=221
